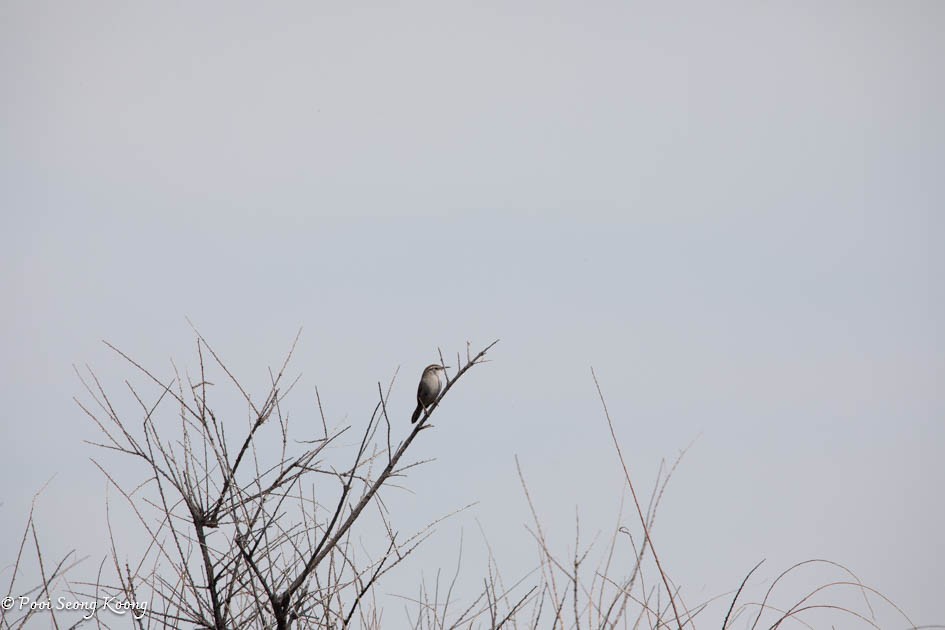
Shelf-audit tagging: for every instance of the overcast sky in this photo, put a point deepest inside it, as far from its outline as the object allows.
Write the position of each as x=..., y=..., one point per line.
x=732, y=211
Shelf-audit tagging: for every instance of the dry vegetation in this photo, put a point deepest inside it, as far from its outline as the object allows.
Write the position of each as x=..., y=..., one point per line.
x=258, y=530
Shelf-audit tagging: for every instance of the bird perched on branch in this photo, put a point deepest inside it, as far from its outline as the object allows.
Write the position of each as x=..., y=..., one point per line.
x=429, y=389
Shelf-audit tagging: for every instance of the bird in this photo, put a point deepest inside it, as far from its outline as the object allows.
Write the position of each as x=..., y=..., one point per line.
x=429, y=388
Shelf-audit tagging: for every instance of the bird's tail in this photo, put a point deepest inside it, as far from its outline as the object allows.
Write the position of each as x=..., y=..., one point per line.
x=416, y=413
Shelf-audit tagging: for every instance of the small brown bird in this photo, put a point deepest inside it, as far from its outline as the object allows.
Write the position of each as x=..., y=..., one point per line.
x=429, y=389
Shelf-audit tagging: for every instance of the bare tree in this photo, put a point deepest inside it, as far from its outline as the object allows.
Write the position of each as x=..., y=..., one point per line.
x=242, y=537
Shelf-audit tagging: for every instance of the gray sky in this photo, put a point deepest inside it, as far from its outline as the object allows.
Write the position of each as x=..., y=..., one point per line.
x=729, y=211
